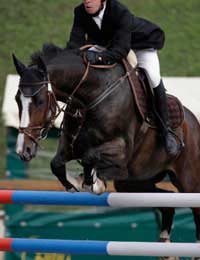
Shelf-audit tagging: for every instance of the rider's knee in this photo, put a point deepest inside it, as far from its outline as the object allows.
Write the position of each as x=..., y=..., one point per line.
x=153, y=78
x=132, y=59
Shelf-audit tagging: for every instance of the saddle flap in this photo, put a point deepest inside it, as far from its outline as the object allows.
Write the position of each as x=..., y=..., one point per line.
x=143, y=96
x=176, y=112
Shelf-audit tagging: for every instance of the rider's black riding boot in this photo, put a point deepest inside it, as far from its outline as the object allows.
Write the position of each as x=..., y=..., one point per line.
x=171, y=145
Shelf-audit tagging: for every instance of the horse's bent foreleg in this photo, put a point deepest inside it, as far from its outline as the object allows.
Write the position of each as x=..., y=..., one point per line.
x=59, y=170
x=88, y=178
x=58, y=167
x=108, y=161
x=90, y=181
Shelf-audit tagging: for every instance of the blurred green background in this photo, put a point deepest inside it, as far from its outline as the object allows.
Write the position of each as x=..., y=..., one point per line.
x=26, y=24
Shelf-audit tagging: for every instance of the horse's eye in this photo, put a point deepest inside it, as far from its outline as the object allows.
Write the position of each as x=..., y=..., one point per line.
x=40, y=102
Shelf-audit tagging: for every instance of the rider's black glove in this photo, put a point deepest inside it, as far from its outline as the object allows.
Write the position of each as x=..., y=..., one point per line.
x=99, y=58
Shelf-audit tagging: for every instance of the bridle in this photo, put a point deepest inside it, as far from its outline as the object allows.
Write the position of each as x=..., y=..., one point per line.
x=52, y=106
x=52, y=102
x=79, y=113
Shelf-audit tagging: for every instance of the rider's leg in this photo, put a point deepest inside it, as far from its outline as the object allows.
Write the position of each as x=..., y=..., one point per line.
x=161, y=107
x=148, y=60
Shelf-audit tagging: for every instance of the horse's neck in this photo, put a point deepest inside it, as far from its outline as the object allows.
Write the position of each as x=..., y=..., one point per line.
x=85, y=85
x=64, y=79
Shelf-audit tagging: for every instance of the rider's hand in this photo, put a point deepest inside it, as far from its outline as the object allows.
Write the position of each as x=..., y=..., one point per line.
x=92, y=57
x=99, y=58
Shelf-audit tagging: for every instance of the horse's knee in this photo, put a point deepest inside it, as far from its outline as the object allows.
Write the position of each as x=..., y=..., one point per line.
x=58, y=169
x=56, y=163
x=91, y=157
x=53, y=164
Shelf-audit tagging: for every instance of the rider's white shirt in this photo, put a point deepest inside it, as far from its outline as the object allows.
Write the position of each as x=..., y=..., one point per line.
x=98, y=19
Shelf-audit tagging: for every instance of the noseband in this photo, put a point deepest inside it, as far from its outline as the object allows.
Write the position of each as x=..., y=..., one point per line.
x=52, y=102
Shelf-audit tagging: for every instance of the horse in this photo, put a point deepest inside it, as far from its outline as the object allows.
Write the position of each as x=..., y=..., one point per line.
x=102, y=127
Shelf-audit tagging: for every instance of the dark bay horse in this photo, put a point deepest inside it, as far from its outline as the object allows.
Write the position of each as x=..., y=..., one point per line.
x=102, y=128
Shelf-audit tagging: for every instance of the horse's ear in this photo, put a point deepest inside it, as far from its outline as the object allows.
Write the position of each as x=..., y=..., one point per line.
x=41, y=65
x=20, y=67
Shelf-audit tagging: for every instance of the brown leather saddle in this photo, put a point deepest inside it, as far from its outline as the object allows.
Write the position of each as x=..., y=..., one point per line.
x=144, y=98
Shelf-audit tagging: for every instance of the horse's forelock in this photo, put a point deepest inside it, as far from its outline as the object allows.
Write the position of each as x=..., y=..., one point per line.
x=27, y=82
x=35, y=58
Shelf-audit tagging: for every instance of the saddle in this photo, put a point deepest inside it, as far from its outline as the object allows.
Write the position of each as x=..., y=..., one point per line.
x=144, y=99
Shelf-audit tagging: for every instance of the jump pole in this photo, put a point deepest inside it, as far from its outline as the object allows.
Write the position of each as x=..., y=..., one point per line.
x=100, y=247
x=122, y=200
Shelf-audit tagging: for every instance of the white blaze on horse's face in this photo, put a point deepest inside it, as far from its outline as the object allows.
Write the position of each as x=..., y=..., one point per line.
x=25, y=120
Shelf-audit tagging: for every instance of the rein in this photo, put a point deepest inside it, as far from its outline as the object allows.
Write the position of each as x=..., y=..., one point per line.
x=109, y=90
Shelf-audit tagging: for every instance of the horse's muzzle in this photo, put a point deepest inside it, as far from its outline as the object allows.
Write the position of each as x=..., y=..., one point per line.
x=28, y=153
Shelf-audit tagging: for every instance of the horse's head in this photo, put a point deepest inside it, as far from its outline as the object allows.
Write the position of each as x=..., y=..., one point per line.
x=37, y=107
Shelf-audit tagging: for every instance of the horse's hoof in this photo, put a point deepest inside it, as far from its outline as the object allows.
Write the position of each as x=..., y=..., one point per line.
x=87, y=188
x=71, y=190
x=76, y=182
x=166, y=239
x=99, y=187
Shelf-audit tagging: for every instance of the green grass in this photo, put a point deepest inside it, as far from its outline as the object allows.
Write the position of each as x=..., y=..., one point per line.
x=26, y=25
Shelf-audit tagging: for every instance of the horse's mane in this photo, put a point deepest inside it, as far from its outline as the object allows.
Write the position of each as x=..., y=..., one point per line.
x=50, y=51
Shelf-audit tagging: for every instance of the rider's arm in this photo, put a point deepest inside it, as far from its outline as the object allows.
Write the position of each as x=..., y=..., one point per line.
x=121, y=42
x=77, y=35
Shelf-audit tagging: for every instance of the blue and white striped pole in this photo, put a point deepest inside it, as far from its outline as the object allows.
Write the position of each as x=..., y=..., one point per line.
x=100, y=247
x=123, y=200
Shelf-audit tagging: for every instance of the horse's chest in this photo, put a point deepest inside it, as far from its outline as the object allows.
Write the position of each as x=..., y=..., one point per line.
x=89, y=137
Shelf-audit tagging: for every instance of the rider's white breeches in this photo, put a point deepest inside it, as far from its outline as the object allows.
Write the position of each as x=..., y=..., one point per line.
x=149, y=61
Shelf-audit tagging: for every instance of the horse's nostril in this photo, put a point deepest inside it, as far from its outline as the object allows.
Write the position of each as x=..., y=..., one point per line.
x=28, y=150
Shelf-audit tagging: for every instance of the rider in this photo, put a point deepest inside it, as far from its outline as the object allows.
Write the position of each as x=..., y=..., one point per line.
x=110, y=24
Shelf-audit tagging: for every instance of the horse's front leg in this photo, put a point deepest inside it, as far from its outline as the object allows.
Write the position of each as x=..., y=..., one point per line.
x=58, y=167
x=59, y=170
x=91, y=182
x=106, y=161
